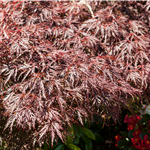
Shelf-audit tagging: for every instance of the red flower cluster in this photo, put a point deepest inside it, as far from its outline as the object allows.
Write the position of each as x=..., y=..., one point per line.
x=118, y=138
x=131, y=121
x=137, y=142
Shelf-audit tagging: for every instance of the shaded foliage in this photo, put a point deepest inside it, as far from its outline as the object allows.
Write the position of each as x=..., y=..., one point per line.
x=62, y=62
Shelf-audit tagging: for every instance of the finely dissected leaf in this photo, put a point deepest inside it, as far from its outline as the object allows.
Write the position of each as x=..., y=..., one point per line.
x=42, y=89
x=43, y=131
x=80, y=117
x=52, y=135
x=11, y=72
x=58, y=127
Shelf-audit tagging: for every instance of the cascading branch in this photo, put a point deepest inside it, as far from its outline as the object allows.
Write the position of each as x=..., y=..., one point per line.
x=62, y=62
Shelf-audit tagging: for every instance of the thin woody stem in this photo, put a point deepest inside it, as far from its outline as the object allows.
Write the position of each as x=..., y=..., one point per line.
x=84, y=2
x=88, y=6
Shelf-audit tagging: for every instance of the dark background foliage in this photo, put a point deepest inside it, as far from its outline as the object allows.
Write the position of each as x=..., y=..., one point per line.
x=62, y=62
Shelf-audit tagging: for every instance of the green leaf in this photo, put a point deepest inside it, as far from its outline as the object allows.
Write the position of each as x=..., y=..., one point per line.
x=144, y=130
x=100, y=126
x=89, y=146
x=57, y=144
x=77, y=130
x=76, y=140
x=88, y=133
x=132, y=148
x=98, y=138
x=126, y=148
x=73, y=147
x=46, y=147
x=142, y=135
x=130, y=133
x=60, y=147
x=122, y=143
x=143, y=120
x=147, y=117
x=71, y=130
x=124, y=134
x=82, y=144
x=69, y=139
x=85, y=138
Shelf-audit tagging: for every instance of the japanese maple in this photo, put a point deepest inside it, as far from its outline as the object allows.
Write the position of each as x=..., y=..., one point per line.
x=62, y=62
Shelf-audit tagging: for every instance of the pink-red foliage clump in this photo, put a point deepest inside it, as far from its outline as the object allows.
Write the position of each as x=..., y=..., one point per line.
x=61, y=62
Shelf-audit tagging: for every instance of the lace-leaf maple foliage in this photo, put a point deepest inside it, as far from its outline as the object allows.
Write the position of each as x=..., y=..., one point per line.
x=62, y=62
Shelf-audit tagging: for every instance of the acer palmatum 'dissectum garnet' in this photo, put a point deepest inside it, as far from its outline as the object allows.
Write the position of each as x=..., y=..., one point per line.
x=62, y=62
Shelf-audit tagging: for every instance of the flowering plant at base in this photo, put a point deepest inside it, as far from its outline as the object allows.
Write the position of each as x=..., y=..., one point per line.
x=138, y=135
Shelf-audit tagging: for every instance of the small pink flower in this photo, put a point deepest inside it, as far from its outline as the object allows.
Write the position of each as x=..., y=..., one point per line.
x=131, y=126
x=136, y=140
x=136, y=132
